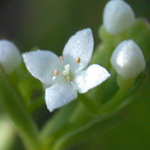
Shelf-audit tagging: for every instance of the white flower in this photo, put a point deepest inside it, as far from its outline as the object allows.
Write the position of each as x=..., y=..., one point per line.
x=10, y=56
x=128, y=59
x=66, y=74
x=118, y=16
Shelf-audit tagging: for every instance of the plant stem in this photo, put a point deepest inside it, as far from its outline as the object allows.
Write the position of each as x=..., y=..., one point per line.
x=121, y=99
x=13, y=104
x=37, y=104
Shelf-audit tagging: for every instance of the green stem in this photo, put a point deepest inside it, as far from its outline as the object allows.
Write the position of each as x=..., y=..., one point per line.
x=37, y=104
x=121, y=99
x=116, y=100
x=59, y=120
x=14, y=106
x=90, y=104
x=65, y=138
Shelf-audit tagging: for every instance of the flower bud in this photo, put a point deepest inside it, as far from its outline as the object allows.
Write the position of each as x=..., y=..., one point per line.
x=10, y=56
x=118, y=16
x=128, y=60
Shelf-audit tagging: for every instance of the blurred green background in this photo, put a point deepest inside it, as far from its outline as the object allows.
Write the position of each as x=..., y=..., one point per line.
x=47, y=24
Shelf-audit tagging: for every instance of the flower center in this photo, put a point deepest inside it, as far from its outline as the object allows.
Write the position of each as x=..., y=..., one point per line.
x=66, y=71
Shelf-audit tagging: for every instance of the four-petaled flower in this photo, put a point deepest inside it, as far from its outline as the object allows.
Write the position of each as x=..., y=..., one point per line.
x=66, y=74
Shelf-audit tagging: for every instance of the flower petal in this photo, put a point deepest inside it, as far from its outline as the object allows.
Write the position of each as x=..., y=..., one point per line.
x=58, y=95
x=41, y=64
x=79, y=45
x=91, y=77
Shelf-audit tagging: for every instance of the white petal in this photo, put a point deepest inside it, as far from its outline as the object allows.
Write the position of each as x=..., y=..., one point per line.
x=91, y=77
x=118, y=16
x=128, y=59
x=41, y=64
x=10, y=56
x=79, y=45
x=58, y=95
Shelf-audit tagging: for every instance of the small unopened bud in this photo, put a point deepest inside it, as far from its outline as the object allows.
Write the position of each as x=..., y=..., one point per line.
x=118, y=16
x=10, y=56
x=128, y=59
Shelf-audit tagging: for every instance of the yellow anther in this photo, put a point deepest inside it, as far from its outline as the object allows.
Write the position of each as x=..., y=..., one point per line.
x=61, y=58
x=78, y=60
x=68, y=79
x=56, y=72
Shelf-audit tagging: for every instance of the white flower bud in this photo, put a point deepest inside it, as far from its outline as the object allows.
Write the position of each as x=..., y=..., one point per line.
x=10, y=56
x=118, y=16
x=128, y=60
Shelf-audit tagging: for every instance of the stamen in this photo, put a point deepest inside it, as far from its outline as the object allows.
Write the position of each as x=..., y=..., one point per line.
x=68, y=79
x=56, y=73
x=78, y=60
x=61, y=58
